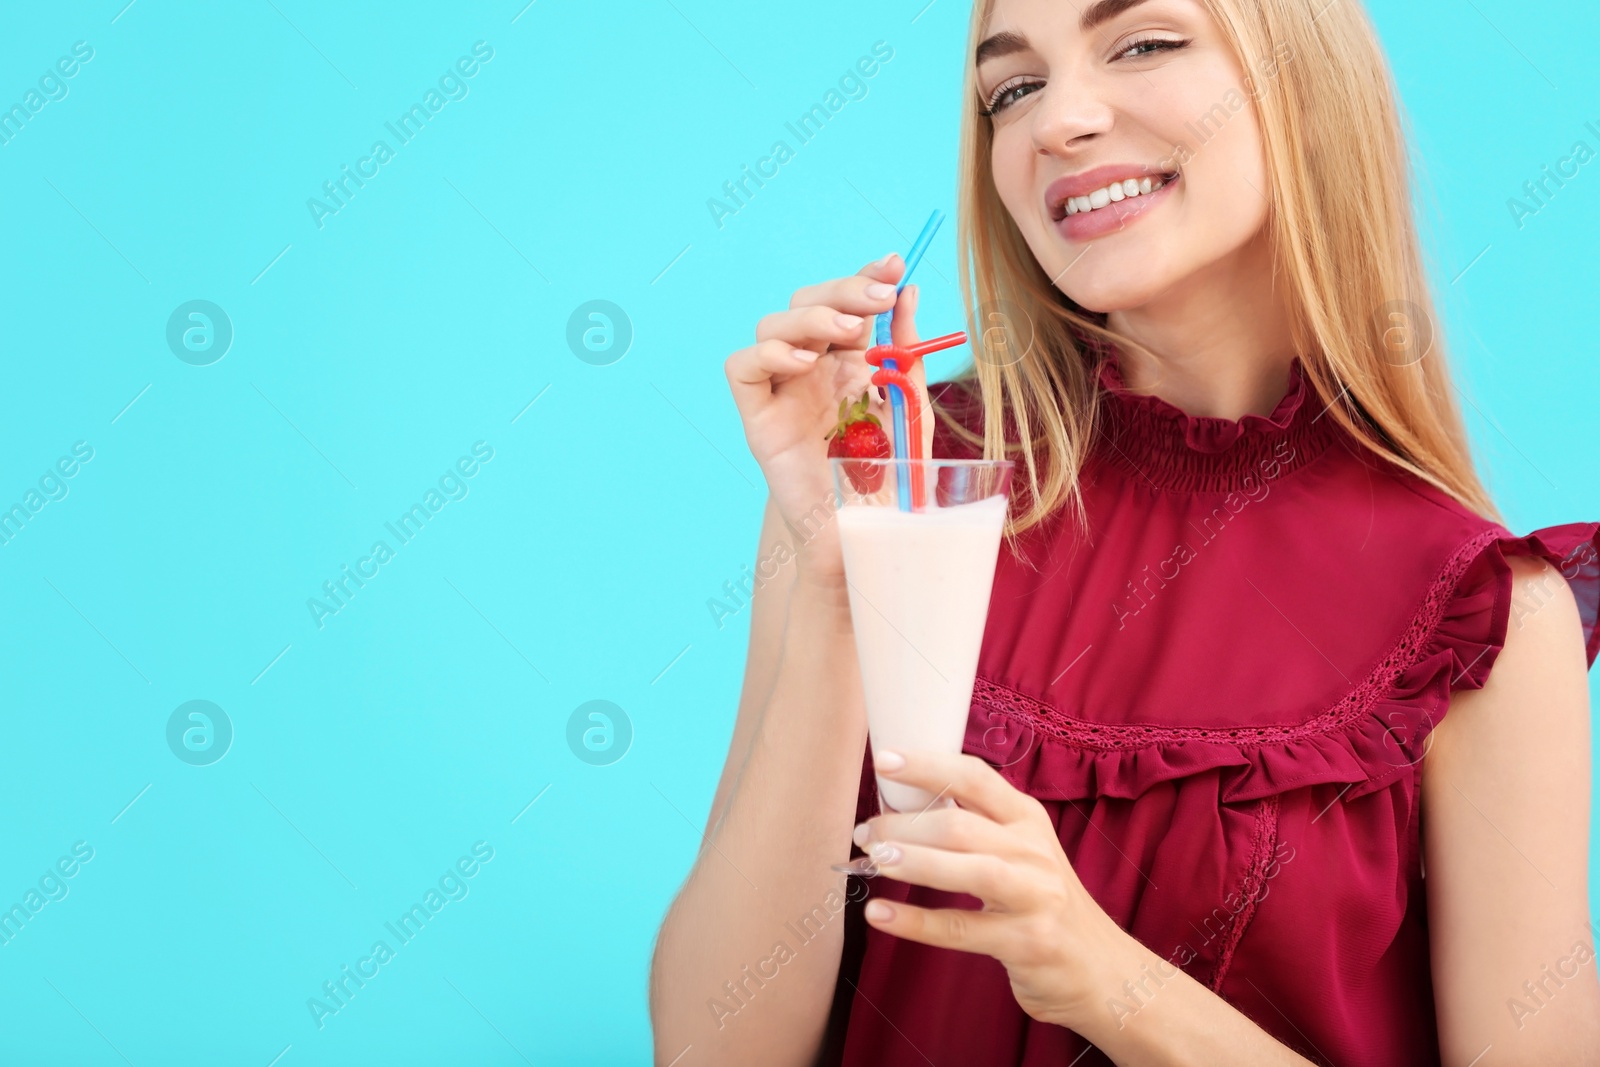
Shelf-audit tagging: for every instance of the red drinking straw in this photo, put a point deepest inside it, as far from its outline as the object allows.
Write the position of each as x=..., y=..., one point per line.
x=899, y=375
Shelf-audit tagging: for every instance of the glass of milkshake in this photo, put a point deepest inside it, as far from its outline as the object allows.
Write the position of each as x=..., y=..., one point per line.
x=919, y=584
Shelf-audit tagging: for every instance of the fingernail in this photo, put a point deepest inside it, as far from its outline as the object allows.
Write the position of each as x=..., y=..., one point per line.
x=885, y=853
x=880, y=291
x=805, y=354
x=847, y=322
x=912, y=292
x=884, y=262
x=877, y=909
x=860, y=835
x=888, y=760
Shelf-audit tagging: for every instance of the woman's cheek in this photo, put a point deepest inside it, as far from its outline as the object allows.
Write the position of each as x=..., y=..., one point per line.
x=1010, y=179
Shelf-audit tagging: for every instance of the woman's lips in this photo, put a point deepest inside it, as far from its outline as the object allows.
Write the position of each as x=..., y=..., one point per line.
x=1114, y=216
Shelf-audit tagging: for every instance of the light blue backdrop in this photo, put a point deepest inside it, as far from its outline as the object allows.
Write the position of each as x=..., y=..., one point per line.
x=373, y=348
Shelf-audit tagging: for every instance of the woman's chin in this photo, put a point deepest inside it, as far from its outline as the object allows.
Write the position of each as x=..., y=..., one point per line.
x=1107, y=295
x=1102, y=277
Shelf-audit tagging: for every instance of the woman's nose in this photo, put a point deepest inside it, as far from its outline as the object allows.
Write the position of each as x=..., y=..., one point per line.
x=1066, y=116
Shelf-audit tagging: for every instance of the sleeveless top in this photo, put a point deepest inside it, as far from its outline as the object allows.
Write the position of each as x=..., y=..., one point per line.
x=1222, y=695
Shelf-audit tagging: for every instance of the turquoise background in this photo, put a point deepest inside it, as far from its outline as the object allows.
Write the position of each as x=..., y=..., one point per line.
x=431, y=712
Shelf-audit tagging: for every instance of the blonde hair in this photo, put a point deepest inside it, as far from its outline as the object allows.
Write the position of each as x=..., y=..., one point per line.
x=1342, y=234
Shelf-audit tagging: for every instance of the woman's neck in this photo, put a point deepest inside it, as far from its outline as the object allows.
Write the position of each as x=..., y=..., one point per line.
x=1221, y=339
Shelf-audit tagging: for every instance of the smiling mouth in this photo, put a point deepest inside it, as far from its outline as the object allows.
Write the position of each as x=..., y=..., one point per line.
x=1127, y=189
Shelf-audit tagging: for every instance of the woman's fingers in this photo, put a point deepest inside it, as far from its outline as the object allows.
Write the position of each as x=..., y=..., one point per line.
x=905, y=317
x=751, y=371
x=835, y=316
x=965, y=931
x=859, y=294
x=816, y=327
x=905, y=333
x=979, y=874
x=974, y=784
x=953, y=829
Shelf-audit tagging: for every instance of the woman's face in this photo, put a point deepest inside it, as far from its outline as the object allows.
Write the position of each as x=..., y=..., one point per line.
x=1089, y=96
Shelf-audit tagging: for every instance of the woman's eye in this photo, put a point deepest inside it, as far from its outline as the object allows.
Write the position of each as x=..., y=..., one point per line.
x=1009, y=94
x=1150, y=46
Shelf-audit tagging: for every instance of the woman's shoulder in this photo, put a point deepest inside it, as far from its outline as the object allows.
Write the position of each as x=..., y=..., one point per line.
x=1310, y=633
x=1407, y=524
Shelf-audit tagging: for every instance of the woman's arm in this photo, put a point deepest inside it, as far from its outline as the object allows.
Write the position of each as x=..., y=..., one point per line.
x=747, y=959
x=1505, y=808
x=720, y=983
x=769, y=607
x=1175, y=1021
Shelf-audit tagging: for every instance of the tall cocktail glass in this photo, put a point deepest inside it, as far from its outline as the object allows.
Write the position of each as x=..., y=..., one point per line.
x=919, y=584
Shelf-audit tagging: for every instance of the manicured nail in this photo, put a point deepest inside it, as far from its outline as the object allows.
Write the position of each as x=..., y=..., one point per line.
x=885, y=853
x=805, y=354
x=911, y=291
x=888, y=760
x=880, y=291
x=860, y=835
x=879, y=911
x=884, y=262
x=847, y=322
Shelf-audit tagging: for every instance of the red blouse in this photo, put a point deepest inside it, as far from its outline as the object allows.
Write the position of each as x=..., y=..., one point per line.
x=1221, y=696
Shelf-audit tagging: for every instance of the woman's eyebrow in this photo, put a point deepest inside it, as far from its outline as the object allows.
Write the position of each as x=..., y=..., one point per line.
x=1104, y=11
x=1001, y=44
x=1006, y=43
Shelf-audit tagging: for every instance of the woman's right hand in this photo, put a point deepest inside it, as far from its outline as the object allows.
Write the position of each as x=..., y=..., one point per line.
x=788, y=385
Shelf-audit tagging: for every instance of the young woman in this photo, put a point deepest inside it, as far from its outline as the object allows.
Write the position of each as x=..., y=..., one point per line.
x=1279, y=747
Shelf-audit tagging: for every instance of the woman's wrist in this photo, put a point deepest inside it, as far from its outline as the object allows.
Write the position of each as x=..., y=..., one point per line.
x=820, y=607
x=1107, y=958
x=821, y=578
x=1148, y=1010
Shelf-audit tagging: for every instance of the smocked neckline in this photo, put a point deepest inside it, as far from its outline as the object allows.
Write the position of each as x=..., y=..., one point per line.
x=1174, y=450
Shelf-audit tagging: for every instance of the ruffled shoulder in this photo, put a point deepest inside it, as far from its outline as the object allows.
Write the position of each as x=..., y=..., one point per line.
x=1484, y=606
x=1365, y=739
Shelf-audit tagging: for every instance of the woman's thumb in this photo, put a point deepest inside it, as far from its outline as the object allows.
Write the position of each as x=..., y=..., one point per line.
x=905, y=317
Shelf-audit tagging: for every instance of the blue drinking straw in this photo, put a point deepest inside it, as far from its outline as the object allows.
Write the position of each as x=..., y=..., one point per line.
x=885, y=337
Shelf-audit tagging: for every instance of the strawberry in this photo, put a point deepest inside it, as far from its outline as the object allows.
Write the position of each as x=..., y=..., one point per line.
x=859, y=435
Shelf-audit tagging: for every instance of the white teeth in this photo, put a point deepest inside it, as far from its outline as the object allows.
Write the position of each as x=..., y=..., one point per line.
x=1122, y=190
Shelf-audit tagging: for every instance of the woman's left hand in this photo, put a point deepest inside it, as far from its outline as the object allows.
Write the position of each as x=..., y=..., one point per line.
x=1000, y=846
